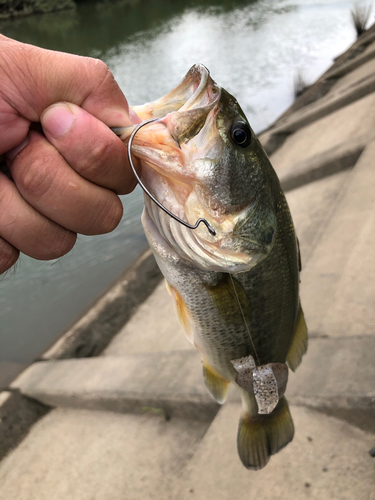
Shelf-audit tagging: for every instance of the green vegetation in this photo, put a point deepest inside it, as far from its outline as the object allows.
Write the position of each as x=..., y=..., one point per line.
x=300, y=85
x=360, y=16
x=17, y=8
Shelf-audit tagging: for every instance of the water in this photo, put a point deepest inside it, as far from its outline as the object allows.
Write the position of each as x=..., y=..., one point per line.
x=253, y=49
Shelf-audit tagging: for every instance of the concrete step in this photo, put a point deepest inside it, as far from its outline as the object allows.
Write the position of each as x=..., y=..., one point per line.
x=153, y=328
x=348, y=128
x=170, y=383
x=312, y=207
x=95, y=330
x=86, y=455
x=336, y=376
x=337, y=283
x=336, y=98
x=330, y=161
x=327, y=460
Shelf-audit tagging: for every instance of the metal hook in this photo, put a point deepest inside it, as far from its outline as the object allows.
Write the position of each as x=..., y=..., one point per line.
x=209, y=227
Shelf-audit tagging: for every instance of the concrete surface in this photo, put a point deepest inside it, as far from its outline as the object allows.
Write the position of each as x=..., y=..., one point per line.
x=84, y=455
x=311, y=207
x=334, y=100
x=351, y=123
x=336, y=375
x=17, y=414
x=156, y=323
x=337, y=286
x=327, y=460
x=172, y=382
x=93, y=332
x=361, y=74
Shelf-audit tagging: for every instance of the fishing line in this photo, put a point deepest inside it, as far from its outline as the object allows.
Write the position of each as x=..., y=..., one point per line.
x=244, y=319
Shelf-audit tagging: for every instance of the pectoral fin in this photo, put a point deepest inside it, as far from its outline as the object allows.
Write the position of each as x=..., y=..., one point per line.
x=298, y=346
x=182, y=313
x=216, y=385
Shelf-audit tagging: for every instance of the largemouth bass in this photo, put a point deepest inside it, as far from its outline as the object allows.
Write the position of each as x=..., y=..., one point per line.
x=236, y=292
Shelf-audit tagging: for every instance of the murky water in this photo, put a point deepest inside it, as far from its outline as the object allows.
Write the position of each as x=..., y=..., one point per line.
x=253, y=49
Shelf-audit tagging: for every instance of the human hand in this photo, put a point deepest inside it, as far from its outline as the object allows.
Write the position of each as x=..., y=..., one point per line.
x=65, y=180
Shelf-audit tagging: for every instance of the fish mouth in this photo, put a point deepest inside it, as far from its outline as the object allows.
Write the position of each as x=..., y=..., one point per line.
x=196, y=90
x=176, y=152
x=185, y=115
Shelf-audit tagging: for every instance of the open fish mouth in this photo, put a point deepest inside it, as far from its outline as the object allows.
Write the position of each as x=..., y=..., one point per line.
x=197, y=167
x=196, y=90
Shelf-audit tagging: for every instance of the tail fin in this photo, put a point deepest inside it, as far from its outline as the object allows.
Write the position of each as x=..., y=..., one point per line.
x=264, y=435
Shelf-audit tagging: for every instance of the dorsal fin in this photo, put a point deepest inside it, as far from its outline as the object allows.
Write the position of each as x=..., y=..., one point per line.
x=298, y=346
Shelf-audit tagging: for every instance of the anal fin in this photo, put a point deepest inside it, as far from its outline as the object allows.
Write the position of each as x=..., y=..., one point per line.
x=216, y=385
x=264, y=435
x=298, y=346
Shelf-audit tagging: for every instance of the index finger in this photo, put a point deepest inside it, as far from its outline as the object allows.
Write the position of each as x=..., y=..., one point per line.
x=39, y=78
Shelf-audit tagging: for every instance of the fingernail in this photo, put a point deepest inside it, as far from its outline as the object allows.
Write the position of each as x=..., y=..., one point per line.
x=15, y=151
x=57, y=120
x=134, y=118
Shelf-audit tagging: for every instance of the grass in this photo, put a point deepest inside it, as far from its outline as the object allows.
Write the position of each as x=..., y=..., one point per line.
x=300, y=85
x=360, y=16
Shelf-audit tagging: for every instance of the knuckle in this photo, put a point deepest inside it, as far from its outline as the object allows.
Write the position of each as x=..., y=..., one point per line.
x=92, y=165
x=100, y=67
x=37, y=178
x=106, y=83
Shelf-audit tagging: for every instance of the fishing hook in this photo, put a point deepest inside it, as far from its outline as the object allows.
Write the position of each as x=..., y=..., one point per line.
x=138, y=127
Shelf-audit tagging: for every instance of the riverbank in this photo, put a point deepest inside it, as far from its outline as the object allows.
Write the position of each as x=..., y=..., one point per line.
x=18, y=8
x=154, y=428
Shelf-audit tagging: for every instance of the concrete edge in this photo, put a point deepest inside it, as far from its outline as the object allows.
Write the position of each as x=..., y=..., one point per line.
x=17, y=415
x=275, y=138
x=323, y=165
x=94, y=331
x=358, y=411
x=170, y=383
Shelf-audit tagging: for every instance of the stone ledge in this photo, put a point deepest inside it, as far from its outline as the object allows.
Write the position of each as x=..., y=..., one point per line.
x=322, y=165
x=336, y=375
x=93, y=332
x=275, y=137
x=17, y=414
x=170, y=382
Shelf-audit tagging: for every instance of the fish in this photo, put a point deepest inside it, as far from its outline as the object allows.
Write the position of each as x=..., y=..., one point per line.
x=235, y=291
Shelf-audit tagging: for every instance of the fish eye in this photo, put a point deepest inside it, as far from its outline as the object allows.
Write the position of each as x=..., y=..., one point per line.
x=241, y=134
